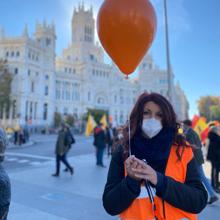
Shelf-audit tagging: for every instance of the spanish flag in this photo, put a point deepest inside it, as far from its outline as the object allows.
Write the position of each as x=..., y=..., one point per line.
x=201, y=128
x=195, y=120
x=103, y=120
x=91, y=124
x=214, y=123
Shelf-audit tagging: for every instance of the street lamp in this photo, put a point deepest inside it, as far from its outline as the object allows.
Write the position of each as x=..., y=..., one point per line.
x=169, y=77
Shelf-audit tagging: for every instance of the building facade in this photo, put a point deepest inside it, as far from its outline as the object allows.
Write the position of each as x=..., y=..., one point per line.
x=76, y=80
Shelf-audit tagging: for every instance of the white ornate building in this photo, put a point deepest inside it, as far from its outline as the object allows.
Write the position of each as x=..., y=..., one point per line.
x=76, y=80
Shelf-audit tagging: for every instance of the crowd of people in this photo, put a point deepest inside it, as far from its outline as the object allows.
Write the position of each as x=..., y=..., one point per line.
x=21, y=136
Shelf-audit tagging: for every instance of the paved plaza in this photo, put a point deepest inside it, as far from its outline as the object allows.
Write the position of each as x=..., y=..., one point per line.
x=36, y=195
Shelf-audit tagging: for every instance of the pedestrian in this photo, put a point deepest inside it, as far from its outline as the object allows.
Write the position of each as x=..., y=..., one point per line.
x=61, y=149
x=109, y=138
x=153, y=174
x=99, y=143
x=21, y=136
x=15, y=137
x=193, y=138
x=213, y=156
x=26, y=134
x=69, y=141
x=5, y=186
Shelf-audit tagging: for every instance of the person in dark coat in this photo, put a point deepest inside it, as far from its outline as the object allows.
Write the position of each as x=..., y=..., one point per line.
x=15, y=137
x=193, y=138
x=61, y=149
x=100, y=144
x=153, y=174
x=69, y=140
x=109, y=139
x=214, y=156
x=5, y=186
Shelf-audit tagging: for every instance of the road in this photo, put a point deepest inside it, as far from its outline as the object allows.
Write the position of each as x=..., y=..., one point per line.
x=22, y=157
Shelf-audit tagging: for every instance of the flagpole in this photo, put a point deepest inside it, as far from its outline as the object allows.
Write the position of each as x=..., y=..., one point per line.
x=169, y=77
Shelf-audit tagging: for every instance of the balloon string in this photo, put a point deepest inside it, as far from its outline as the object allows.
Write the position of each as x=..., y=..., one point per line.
x=129, y=136
x=129, y=129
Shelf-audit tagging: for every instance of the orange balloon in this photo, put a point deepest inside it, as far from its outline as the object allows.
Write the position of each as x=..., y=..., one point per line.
x=126, y=29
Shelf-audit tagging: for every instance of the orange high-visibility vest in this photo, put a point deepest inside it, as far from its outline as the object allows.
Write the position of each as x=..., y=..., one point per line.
x=141, y=207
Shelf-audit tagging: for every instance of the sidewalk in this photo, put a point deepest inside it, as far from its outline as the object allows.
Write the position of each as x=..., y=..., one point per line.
x=39, y=138
x=36, y=195
x=12, y=145
x=35, y=138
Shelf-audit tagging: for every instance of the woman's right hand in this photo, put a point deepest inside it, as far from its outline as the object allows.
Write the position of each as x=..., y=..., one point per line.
x=130, y=164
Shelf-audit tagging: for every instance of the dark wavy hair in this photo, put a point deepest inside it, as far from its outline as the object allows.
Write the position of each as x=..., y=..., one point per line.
x=168, y=120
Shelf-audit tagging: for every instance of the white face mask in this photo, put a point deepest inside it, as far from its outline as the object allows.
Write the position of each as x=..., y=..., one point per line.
x=120, y=136
x=151, y=127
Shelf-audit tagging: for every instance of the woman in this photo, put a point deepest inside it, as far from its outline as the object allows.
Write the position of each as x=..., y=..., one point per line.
x=164, y=186
x=214, y=156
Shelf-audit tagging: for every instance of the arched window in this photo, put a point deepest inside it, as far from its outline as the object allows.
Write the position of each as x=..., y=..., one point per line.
x=14, y=109
x=100, y=100
x=45, y=111
x=46, y=92
x=16, y=70
x=32, y=86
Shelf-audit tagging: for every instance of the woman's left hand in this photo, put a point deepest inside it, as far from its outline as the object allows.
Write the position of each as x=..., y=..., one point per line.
x=145, y=172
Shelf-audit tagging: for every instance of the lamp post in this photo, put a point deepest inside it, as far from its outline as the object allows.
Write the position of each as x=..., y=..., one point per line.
x=169, y=77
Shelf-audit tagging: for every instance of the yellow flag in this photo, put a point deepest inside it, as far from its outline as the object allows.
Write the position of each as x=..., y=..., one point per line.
x=201, y=125
x=103, y=120
x=202, y=128
x=91, y=124
x=17, y=128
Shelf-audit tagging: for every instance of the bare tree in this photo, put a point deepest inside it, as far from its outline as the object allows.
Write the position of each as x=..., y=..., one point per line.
x=5, y=86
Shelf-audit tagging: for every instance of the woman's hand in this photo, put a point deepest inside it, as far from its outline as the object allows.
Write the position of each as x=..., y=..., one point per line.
x=144, y=171
x=131, y=164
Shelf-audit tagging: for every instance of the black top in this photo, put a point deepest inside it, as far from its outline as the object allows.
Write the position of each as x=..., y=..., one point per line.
x=120, y=191
x=214, y=148
x=193, y=138
x=99, y=137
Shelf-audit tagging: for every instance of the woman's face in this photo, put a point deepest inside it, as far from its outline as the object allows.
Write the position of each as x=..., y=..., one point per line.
x=152, y=110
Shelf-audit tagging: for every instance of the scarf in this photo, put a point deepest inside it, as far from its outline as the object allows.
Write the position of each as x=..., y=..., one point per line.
x=154, y=150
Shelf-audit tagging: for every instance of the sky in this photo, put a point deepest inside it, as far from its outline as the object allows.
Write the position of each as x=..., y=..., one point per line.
x=194, y=34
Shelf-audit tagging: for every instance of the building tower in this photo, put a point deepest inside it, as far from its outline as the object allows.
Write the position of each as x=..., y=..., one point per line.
x=45, y=35
x=83, y=25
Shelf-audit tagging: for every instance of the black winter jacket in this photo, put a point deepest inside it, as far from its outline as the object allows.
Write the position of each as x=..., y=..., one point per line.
x=99, y=137
x=214, y=148
x=193, y=138
x=120, y=191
